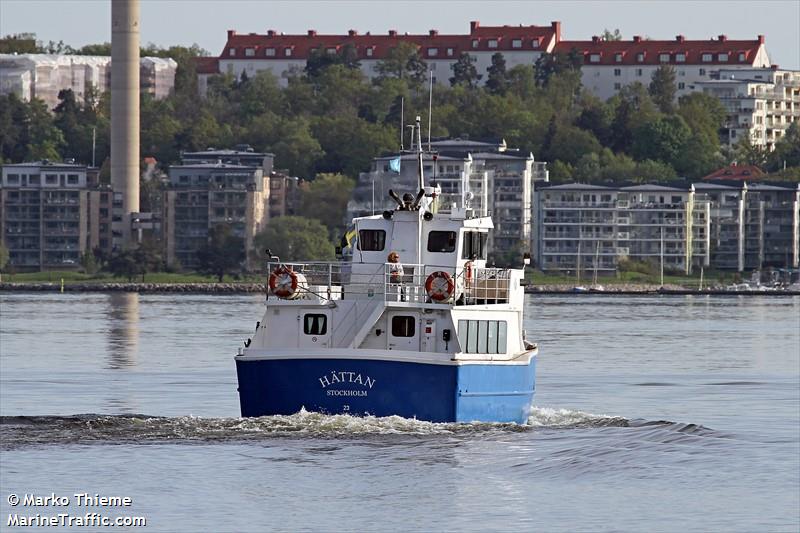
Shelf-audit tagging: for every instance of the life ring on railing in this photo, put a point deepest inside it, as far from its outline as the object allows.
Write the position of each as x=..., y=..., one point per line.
x=283, y=282
x=440, y=286
x=468, y=273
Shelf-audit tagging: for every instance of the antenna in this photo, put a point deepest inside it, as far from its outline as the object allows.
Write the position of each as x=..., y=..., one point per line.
x=402, y=104
x=418, y=126
x=430, y=108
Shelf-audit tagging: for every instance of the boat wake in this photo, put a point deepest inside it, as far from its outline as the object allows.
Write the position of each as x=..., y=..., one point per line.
x=22, y=431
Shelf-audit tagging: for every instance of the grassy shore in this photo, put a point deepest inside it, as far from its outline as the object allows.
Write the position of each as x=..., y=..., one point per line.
x=536, y=277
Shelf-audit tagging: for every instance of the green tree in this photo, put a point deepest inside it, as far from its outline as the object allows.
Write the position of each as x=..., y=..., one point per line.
x=46, y=140
x=123, y=264
x=295, y=238
x=748, y=153
x=464, y=71
x=89, y=262
x=663, y=139
x=405, y=62
x=608, y=35
x=320, y=59
x=548, y=65
x=649, y=171
x=326, y=200
x=20, y=43
x=497, y=82
x=224, y=253
x=4, y=256
x=663, y=89
x=787, y=150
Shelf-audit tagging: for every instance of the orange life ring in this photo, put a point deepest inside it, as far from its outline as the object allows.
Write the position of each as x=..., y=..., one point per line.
x=440, y=286
x=283, y=282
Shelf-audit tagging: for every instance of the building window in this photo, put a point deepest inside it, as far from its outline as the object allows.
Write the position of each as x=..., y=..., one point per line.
x=433, y=51
x=535, y=43
x=51, y=179
x=617, y=72
x=287, y=52
x=270, y=52
x=403, y=326
x=450, y=52
x=742, y=56
x=516, y=43
x=232, y=52
x=369, y=52
x=442, y=241
x=640, y=57
x=723, y=57
x=250, y=52
x=638, y=72
x=315, y=324
x=72, y=179
x=594, y=58
x=680, y=58
x=706, y=58
x=483, y=336
x=331, y=50
x=13, y=179
x=617, y=86
x=33, y=179
x=492, y=43
x=702, y=72
x=663, y=58
x=474, y=43
x=681, y=85
x=371, y=240
x=618, y=57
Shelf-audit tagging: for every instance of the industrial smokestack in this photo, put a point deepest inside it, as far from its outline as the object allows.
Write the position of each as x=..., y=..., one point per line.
x=125, y=111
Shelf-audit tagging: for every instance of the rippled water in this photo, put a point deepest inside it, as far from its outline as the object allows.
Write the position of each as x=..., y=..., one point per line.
x=653, y=414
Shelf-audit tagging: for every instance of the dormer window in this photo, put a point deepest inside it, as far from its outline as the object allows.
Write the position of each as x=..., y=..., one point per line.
x=535, y=43
x=231, y=52
x=680, y=58
x=492, y=43
x=618, y=57
x=475, y=43
x=723, y=57
x=370, y=51
x=516, y=43
x=742, y=57
x=270, y=52
x=663, y=58
x=287, y=52
x=331, y=50
x=450, y=52
x=250, y=52
x=594, y=58
x=433, y=52
x=706, y=58
x=640, y=57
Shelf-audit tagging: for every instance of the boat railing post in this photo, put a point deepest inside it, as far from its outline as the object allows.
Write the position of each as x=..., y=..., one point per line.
x=330, y=279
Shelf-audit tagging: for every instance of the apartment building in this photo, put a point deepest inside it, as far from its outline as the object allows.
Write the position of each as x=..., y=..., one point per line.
x=201, y=196
x=582, y=227
x=43, y=76
x=489, y=176
x=52, y=213
x=724, y=225
x=761, y=103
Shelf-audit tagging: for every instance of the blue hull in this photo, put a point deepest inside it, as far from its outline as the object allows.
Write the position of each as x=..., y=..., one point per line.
x=436, y=393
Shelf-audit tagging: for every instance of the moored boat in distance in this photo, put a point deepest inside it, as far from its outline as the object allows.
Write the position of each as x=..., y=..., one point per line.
x=411, y=323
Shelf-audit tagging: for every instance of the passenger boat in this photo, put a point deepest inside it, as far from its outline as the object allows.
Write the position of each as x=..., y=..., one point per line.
x=411, y=322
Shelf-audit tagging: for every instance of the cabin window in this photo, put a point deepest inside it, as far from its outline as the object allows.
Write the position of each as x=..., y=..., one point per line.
x=315, y=324
x=483, y=336
x=442, y=241
x=474, y=245
x=371, y=240
x=403, y=326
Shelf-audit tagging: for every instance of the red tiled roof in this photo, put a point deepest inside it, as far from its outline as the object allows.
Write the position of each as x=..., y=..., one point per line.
x=207, y=65
x=627, y=52
x=302, y=45
x=736, y=172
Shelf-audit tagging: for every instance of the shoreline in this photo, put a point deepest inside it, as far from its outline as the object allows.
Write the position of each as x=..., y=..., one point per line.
x=624, y=289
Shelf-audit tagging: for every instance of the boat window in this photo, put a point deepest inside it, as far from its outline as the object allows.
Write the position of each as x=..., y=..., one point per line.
x=314, y=324
x=483, y=336
x=442, y=241
x=371, y=240
x=474, y=245
x=403, y=326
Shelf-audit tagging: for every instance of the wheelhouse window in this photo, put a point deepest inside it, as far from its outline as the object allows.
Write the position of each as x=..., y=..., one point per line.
x=371, y=240
x=315, y=324
x=442, y=241
x=483, y=336
x=403, y=326
x=474, y=245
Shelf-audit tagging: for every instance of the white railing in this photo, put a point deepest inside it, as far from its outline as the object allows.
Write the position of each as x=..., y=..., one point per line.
x=359, y=281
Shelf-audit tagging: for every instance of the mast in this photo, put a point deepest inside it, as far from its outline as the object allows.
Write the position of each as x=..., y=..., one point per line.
x=419, y=153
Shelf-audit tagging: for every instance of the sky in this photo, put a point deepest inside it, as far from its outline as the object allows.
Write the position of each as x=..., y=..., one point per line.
x=204, y=22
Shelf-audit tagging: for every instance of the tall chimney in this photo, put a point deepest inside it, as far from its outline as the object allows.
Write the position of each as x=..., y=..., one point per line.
x=125, y=111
